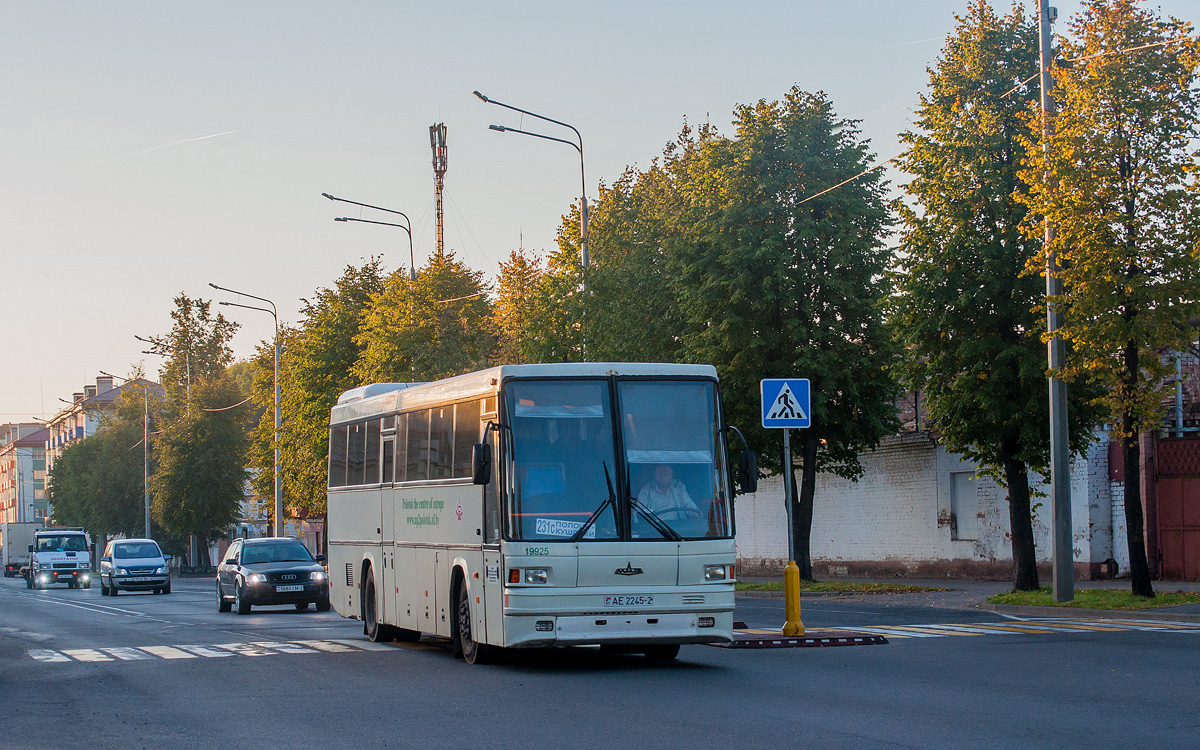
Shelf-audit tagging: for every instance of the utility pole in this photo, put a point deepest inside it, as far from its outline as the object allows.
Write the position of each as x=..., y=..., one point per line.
x=1062, y=546
x=437, y=141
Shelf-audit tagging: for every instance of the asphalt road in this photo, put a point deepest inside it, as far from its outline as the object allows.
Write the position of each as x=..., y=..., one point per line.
x=81, y=671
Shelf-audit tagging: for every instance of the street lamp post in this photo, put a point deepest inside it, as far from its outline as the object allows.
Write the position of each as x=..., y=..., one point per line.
x=578, y=146
x=412, y=267
x=274, y=314
x=145, y=445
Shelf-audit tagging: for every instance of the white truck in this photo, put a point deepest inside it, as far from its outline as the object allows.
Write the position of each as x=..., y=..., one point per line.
x=59, y=555
x=15, y=539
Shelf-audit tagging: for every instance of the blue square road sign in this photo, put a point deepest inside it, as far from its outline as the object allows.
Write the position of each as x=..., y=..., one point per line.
x=786, y=403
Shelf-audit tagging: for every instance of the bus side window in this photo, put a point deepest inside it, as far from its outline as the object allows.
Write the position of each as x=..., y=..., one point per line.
x=356, y=454
x=418, y=445
x=389, y=458
x=466, y=435
x=401, y=447
x=371, y=463
x=337, y=457
x=441, y=442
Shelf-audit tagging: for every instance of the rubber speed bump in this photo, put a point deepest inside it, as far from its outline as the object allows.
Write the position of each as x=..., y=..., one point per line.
x=744, y=637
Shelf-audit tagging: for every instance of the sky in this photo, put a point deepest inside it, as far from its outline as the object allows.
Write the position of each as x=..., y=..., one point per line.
x=149, y=148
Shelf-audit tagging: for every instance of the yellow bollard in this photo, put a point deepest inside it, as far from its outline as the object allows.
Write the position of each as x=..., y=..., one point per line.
x=791, y=600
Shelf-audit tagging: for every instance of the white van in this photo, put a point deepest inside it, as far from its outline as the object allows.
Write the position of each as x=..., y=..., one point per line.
x=134, y=565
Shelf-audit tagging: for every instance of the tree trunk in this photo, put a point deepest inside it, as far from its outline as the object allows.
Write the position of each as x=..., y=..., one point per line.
x=803, y=509
x=1139, y=569
x=1020, y=521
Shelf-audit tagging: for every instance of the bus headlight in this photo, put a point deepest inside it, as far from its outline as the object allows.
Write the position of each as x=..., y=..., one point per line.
x=535, y=575
x=714, y=573
x=84, y=565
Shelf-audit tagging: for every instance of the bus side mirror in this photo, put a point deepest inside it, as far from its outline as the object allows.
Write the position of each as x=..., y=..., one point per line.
x=31, y=548
x=748, y=471
x=481, y=463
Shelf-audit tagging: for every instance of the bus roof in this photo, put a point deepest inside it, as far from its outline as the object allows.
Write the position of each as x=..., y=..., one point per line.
x=386, y=398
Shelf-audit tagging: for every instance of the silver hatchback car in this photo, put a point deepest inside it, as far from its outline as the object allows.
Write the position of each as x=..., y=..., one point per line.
x=134, y=565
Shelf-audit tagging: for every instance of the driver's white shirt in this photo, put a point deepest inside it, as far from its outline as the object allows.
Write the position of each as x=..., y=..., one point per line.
x=669, y=504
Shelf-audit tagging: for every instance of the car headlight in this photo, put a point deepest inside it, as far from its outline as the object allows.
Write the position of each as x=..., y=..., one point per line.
x=160, y=570
x=256, y=578
x=535, y=575
x=317, y=575
x=122, y=572
x=714, y=572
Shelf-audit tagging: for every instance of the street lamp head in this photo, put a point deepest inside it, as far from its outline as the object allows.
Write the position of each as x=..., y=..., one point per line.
x=330, y=197
x=341, y=218
x=497, y=128
x=214, y=286
x=482, y=98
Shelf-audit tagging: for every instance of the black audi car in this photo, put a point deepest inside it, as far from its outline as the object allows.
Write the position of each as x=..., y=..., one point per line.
x=274, y=570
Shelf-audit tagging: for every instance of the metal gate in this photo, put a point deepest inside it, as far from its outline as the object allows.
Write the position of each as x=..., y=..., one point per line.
x=1178, y=492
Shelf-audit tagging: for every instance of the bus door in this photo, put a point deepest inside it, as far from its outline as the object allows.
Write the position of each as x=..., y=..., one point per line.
x=491, y=582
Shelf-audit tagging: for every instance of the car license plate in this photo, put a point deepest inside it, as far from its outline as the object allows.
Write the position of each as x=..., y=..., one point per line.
x=139, y=580
x=628, y=601
x=285, y=589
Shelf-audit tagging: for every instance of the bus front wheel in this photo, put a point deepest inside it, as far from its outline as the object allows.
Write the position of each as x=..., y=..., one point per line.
x=472, y=651
x=372, y=627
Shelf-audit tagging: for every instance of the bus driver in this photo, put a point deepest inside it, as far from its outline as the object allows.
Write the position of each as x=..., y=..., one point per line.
x=666, y=497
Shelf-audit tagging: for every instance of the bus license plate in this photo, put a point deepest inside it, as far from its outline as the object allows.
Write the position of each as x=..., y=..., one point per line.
x=628, y=601
x=284, y=589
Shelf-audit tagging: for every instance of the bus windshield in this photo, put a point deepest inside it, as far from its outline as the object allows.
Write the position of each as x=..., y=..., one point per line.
x=563, y=460
x=669, y=484
x=674, y=456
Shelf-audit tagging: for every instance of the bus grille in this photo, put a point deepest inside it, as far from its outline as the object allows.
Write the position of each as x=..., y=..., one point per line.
x=64, y=565
x=350, y=575
x=693, y=598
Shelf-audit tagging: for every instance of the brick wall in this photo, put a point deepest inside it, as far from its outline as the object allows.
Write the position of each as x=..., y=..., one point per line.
x=896, y=519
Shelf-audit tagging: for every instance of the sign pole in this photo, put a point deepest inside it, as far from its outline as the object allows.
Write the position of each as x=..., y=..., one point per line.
x=792, y=624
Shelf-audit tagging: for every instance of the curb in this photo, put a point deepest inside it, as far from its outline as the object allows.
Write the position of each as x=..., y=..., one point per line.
x=1074, y=612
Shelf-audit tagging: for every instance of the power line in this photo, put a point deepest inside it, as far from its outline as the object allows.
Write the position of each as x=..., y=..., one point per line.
x=1132, y=49
x=850, y=179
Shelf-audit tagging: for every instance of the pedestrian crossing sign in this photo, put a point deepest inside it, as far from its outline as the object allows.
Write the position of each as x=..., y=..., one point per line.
x=785, y=403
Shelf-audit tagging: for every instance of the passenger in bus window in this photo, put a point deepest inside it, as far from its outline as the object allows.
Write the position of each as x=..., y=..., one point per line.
x=667, y=497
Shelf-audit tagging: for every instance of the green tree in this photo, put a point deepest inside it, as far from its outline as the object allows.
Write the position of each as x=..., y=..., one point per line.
x=200, y=482
x=434, y=327
x=316, y=363
x=966, y=316
x=1119, y=186
x=513, y=312
x=197, y=347
x=774, y=282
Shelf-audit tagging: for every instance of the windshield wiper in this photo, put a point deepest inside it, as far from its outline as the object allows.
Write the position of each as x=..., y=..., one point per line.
x=610, y=500
x=652, y=517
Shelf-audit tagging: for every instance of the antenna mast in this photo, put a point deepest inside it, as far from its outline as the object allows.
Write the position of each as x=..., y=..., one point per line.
x=437, y=140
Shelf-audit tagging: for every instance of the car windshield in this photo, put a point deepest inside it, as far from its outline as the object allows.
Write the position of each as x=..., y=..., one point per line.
x=674, y=454
x=284, y=551
x=132, y=550
x=63, y=543
x=563, y=462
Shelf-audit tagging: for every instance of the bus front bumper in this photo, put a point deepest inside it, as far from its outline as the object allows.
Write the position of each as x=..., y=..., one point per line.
x=569, y=618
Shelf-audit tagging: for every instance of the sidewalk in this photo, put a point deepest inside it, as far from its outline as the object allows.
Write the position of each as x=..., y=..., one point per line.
x=974, y=595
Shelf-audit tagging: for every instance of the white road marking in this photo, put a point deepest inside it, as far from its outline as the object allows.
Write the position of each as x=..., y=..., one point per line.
x=364, y=644
x=206, y=651
x=43, y=654
x=167, y=652
x=86, y=654
x=127, y=654
x=286, y=648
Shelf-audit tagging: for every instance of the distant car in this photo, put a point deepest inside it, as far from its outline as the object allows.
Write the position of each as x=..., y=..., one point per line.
x=134, y=565
x=274, y=570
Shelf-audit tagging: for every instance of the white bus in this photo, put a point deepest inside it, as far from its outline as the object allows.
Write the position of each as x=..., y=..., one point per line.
x=537, y=505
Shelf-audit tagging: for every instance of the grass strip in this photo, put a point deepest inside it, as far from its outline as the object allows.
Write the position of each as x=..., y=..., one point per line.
x=836, y=587
x=1118, y=599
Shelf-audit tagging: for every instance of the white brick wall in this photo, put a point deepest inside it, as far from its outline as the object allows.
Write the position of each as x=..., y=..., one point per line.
x=899, y=511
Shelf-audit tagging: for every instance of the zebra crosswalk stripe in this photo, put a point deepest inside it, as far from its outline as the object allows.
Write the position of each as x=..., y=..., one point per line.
x=207, y=651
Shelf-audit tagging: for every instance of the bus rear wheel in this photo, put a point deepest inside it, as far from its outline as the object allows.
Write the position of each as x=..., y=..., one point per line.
x=472, y=651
